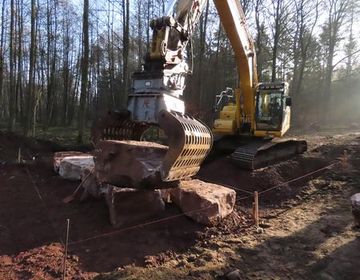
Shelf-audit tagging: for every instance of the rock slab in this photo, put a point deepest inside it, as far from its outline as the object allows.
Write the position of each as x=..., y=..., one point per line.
x=134, y=164
x=131, y=206
x=205, y=203
x=59, y=156
x=74, y=167
x=355, y=204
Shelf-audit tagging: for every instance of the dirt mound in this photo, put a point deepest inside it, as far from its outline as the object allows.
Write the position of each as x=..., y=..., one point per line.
x=45, y=262
x=223, y=171
x=238, y=221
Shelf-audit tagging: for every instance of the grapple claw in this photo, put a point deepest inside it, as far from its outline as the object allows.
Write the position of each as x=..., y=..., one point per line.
x=189, y=143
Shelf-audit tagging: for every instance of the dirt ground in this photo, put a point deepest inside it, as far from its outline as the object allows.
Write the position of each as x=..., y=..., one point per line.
x=306, y=226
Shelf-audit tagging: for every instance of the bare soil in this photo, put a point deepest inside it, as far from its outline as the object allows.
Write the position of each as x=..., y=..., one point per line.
x=306, y=225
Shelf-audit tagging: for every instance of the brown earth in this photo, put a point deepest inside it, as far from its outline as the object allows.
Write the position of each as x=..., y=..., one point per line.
x=306, y=226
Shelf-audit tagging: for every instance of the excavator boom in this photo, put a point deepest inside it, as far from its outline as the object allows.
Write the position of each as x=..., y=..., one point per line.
x=155, y=98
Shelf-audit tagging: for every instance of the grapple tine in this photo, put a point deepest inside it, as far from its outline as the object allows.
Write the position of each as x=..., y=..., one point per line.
x=189, y=143
x=117, y=126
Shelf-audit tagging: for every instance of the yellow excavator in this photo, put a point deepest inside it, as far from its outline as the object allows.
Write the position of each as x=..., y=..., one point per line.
x=254, y=117
x=252, y=114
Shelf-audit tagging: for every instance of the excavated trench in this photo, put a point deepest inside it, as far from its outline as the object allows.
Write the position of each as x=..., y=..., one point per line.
x=28, y=223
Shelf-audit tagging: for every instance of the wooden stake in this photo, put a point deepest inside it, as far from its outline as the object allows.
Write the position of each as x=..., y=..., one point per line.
x=19, y=156
x=256, y=209
x=66, y=247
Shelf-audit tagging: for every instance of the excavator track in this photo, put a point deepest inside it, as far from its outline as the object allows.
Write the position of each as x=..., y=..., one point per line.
x=266, y=152
x=188, y=139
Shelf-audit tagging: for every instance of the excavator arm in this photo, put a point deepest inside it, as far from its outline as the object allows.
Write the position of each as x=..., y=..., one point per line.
x=155, y=97
x=234, y=23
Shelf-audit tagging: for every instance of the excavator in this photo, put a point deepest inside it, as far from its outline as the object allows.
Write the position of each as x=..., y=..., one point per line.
x=253, y=116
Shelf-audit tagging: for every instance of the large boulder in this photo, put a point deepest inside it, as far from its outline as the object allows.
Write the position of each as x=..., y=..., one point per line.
x=355, y=203
x=204, y=202
x=131, y=206
x=134, y=164
x=74, y=167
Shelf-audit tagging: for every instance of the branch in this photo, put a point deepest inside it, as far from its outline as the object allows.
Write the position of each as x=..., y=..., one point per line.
x=345, y=57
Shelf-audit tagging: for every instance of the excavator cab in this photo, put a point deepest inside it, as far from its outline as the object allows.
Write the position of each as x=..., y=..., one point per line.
x=272, y=109
x=261, y=146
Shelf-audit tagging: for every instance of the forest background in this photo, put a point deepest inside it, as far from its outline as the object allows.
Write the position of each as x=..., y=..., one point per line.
x=65, y=63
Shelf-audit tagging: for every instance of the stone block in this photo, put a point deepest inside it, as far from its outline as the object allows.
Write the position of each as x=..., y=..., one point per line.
x=134, y=164
x=74, y=167
x=59, y=156
x=204, y=202
x=131, y=206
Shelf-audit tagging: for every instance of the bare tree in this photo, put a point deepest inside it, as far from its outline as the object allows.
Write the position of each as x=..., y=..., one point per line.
x=280, y=16
x=12, y=100
x=66, y=66
x=261, y=40
x=203, y=30
x=19, y=54
x=350, y=46
x=337, y=11
x=126, y=42
x=2, y=52
x=305, y=18
x=84, y=72
x=31, y=79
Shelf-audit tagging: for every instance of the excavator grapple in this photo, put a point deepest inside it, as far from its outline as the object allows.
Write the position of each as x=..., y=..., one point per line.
x=189, y=143
x=188, y=140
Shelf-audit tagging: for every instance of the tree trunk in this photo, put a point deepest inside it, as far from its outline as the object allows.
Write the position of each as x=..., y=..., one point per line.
x=31, y=91
x=66, y=70
x=203, y=29
x=259, y=47
x=276, y=41
x=12, y=100
x=2, y=44
x=19, y=87
x=84, y=72
x=126, y=17
x=140, y=31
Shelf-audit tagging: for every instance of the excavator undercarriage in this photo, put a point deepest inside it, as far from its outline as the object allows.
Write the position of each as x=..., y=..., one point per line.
x=262, y=153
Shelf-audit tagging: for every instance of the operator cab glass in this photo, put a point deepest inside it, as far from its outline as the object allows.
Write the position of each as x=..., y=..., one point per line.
x=271, y=103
